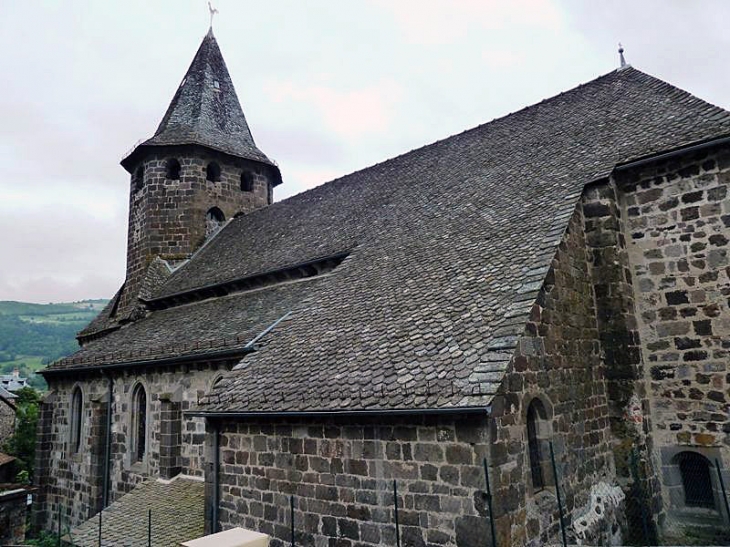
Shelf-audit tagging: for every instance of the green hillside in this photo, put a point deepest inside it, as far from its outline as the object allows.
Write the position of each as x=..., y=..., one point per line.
x=33, y=335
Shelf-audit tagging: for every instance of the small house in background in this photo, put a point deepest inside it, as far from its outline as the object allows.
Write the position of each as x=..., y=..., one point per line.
x=13, y=381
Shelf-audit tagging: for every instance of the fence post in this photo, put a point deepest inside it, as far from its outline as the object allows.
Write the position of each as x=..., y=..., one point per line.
x=722, y=486
x=557, y=494
x=100, y=512
x=489, y=504
x=59, y=525
x=395, y=502
x=291, y=507
x=634, y=460
x=149, y=527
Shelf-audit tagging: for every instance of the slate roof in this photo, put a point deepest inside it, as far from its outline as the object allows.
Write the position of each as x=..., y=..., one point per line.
x=226, y=323
x=205, y=110
x=177, y=515
x=5, y=394
x=449, y=245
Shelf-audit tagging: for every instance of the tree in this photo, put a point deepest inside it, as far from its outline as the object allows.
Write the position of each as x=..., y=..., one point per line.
x=21, y=443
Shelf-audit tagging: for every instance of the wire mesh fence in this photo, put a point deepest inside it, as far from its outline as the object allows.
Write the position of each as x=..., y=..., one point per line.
x=685, y=498
x=679, y=497
x=109, y=529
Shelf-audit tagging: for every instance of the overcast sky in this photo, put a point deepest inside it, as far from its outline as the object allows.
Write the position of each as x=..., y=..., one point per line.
x=328, y=87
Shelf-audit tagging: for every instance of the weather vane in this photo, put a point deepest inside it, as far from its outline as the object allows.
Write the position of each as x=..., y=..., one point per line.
x=213, y=11
x=621, y=55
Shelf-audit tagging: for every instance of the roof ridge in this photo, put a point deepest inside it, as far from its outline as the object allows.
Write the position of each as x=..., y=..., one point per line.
x=467, y=131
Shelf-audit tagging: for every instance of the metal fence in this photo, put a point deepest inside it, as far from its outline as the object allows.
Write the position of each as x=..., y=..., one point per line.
x=687, y=505
x=96, y=532
x=677, y=500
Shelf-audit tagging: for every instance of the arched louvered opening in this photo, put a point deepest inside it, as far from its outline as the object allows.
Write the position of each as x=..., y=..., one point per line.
x=247, y=181
x=213, y=172
x=214, y=219
x=172, y=169
x=138, y=178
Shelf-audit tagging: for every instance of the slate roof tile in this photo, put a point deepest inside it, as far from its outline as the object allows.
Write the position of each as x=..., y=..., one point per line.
x=448, y=248
x=177, y=515
x=205, y=110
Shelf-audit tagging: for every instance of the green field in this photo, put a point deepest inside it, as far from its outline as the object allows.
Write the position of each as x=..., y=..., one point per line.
x=33, y=335
x=31, y=362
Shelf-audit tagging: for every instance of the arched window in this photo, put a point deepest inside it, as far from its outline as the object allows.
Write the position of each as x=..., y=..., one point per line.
x=536, y=434
x=696, y=480
x=138, y=178
x=247, y=181
x=139, y=423
x=172, y=169
x=213, y=172
x=214, y=219
x=77, y=407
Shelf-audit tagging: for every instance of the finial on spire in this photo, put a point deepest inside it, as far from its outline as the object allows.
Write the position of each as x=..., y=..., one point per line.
x=621, y=55
x=213, y=11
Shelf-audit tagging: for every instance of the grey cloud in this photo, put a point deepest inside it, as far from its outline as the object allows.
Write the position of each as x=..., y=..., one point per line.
x=77, y=253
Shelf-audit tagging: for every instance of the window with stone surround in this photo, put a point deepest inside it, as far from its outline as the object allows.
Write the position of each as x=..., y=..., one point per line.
x=172, y=169
x=77, y=407
x=139, y=423
x=537, y=440
x=213, y=172
x=696, y=480
x=247, y=181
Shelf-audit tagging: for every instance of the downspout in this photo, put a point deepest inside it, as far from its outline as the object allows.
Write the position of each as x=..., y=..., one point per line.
x=216, y=476
x=108, y=445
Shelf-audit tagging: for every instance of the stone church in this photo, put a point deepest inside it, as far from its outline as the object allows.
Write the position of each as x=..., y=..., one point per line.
x=556, y=280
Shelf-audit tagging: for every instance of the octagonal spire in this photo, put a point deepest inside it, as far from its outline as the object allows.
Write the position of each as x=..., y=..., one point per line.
x=205, y=111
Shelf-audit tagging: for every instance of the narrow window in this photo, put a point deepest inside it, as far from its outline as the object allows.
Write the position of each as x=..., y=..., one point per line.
x=535, y=413
x=696, y=479
x=172, y=169
x=247, y=181
x=139, y=423
x=138, y=178
x=77, y=405
x=214, y=219
x=213, y=172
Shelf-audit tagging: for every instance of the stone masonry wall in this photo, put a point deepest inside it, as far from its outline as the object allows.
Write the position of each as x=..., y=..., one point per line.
x=167, y=218
x=341, y=473
x=558, y=361
x=7, y=421
x=628, y=402
x=12, y=516
x=678, y=216
x=75, y=480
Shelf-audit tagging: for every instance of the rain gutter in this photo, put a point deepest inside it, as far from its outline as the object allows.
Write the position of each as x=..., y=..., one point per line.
x=345, y=413
x=672, y=153
x=229, y=353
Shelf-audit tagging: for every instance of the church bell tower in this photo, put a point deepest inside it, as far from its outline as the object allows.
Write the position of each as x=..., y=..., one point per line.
x=200, y=169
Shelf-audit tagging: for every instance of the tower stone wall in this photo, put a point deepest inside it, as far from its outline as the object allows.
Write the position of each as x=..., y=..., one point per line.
x=167, y=216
